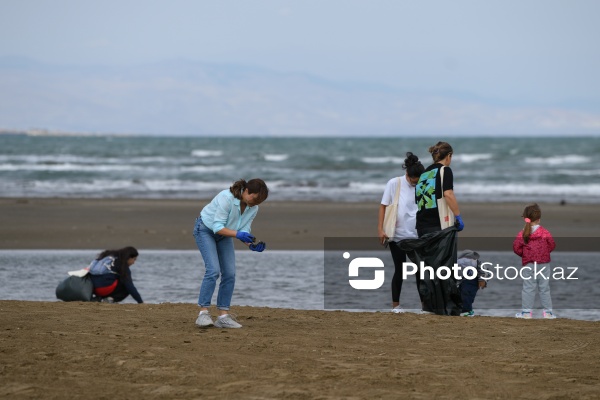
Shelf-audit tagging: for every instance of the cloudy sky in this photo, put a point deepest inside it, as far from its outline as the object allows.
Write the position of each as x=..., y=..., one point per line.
x=530, y=66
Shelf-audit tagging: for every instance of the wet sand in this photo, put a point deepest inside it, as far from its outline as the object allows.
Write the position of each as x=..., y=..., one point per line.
x=167, y=224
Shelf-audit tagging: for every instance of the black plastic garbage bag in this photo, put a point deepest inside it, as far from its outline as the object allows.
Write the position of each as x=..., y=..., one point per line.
x=436, y=249
x=75, y=288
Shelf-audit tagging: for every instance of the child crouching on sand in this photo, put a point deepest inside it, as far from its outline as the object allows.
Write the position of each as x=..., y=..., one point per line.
x=469, y=287
x=534, y=245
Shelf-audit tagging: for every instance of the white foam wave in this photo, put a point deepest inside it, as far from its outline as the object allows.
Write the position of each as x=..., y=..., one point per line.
x=284, y=190
x=525, y=190
x=53, y=159
x=575, y=172
x=109, y=168
x=206, y=168
x=68, y=167
x=207, y=153
x=470, y=158
x=276, y=157
x=558, y=160
x=124, y=186
x=382, y=160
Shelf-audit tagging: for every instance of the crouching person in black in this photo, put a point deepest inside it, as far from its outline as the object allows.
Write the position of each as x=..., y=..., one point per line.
x=111, y=275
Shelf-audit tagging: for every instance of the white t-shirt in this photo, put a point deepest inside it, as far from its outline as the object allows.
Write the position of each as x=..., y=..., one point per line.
x=406, y=220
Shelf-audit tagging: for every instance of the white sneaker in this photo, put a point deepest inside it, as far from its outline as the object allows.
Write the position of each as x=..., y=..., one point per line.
x=226, y=321
x=398, y=310
x=547, y=314
x=427, y=312
x=524, y=315
x=204, y=319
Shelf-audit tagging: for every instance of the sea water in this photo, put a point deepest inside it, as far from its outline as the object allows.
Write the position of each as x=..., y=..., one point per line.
x=338, y=169
x=290, y=279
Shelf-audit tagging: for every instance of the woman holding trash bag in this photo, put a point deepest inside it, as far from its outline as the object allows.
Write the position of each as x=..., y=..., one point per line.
x=430, y=189
x=405, y=219
x=229, y=215
x=111, y=275
x=437, y=242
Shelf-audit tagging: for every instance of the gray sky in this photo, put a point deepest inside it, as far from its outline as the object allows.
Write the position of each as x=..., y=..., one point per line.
x=517, y=53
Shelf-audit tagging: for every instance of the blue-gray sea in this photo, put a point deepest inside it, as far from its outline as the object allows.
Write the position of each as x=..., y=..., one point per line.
x=296, y=280
x=339, y=169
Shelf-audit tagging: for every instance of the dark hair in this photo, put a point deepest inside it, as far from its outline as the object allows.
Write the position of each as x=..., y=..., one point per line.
x=121, y=257
x=533, y=212
x=253, y=185
x=413, y=166
x=440, y=151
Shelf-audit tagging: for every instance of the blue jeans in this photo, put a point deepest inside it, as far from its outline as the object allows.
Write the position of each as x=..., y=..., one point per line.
x=219, y=259
x=468, y=291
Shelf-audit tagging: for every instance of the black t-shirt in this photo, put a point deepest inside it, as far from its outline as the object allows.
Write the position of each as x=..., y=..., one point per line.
x=427, y=192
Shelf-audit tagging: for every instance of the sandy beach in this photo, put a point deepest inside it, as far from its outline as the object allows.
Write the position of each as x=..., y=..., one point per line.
x=42, y=223
x=150, y=351
x=56, y=350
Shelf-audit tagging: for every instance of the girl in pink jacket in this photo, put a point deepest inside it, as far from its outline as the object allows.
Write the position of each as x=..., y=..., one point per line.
x=534, y=245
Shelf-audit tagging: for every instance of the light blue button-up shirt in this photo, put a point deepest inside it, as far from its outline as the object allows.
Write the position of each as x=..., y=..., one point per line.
x=224, y=212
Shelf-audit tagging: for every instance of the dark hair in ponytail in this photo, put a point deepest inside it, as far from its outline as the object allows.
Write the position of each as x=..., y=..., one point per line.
x=533, y=213
x=413, y=166
x=253, y=185
x=121, y=257
x=440, y=151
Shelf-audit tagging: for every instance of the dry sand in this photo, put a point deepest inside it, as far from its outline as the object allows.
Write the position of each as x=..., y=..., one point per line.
x=150, y=351
x=167, y=224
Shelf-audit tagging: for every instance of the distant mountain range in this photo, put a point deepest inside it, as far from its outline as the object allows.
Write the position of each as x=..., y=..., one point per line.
x=193, y=98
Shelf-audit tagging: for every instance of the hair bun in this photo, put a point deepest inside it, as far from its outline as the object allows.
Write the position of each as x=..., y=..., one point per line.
x=411, y=159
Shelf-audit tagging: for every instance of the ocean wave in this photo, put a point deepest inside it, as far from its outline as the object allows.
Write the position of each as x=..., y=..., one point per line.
x=470, y=158
x=558, y=160
x=276, y=157
x=207, y=153
x=292, y=190
x=578, y=172
x=382, y=160
x=523, y=190
x=69, y=167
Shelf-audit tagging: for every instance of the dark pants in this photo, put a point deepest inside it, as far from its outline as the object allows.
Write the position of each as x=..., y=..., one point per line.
x=119, y=294
x=468, y=291
x=399, y=256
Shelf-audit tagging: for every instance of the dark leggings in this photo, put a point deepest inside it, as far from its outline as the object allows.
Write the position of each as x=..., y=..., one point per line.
x=399, y=256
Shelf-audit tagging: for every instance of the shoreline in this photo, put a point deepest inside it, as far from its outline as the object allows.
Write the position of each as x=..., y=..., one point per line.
x=84, y=223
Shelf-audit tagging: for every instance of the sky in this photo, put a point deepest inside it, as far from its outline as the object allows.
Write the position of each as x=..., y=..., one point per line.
x=520, y=54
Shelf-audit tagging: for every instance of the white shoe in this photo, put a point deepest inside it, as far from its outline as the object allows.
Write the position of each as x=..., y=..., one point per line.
x=226, y=321
x=398, y=310
x=524, y=315
x=427, y=312
x=204, y=319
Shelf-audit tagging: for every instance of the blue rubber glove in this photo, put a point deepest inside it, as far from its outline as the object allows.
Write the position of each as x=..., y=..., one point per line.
x=459, y=223
x=260, y=246
x=244, y=237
